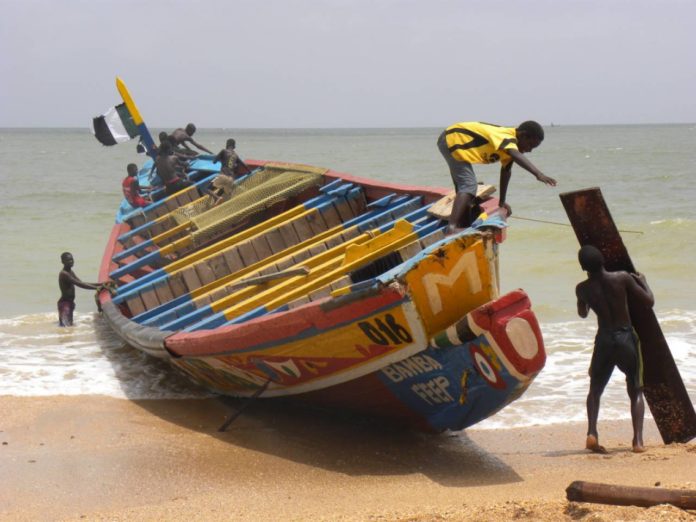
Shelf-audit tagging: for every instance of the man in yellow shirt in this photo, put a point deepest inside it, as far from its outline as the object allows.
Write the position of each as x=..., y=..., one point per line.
x=466, y=143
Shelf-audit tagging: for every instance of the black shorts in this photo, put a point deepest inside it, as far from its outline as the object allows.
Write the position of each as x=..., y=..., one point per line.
x=618, y=347
x=65, y=312
x=176, y=186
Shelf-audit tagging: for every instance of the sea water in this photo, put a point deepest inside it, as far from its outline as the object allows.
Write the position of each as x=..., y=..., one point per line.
x=60, y=190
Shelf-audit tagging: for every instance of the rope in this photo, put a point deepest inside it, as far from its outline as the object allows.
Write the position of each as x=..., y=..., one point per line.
x=568, y=225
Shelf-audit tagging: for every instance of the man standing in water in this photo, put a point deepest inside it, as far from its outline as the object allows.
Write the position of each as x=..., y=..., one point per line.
x=466, y=143
x=67, y=280
x=616, y=343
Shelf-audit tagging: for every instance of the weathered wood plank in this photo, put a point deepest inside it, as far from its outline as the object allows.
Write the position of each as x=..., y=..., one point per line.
x=341, y=282
x=334, y=241
x=317, y=249
x=233, y=259
x=137, y=220
x=275, y=240
x=350, y=233
x=581, y=491
x=246, y=250
x=205, y=272
x=284, y=264
x=442, y=208
x=358, y=205
x=432, y=238
x=177, y=284
x=289, y=235
x=164, y=293
x=149, y=298
x=410, y=250
x=219, y=266
x=135, y=305
x=317, y=223
x=263, y=249
x=301, y=226
x=298, y=302
x=218, y=294
x=191, y=278
x=345, y=211
x=170, y=204
x=320, y=293
x=332, y=217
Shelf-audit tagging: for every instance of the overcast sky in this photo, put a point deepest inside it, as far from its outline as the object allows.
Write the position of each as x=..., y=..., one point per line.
x=348, y=63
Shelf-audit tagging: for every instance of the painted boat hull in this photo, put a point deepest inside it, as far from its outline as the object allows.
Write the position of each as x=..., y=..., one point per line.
x=428, y=342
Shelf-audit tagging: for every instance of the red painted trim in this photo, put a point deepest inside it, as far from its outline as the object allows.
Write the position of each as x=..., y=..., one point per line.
x=370, y=396
x=279, y=327
x=494, y=316
x=112, y=248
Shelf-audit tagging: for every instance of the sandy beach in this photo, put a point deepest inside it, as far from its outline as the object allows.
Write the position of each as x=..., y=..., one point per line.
x=100, y=458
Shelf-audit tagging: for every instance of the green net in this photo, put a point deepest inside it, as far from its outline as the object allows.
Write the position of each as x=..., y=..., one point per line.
x=275, y=183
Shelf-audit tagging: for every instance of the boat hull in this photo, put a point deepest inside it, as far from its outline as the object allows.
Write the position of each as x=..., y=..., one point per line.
x=428, y=343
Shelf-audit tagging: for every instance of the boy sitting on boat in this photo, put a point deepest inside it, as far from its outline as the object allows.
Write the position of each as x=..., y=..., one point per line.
x=230, y=160
x=131, y=188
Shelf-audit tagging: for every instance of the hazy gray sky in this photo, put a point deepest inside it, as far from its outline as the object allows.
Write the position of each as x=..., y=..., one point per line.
x=349, y=63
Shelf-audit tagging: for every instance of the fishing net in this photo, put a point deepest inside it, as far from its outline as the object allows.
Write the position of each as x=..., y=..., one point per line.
x=264, y=188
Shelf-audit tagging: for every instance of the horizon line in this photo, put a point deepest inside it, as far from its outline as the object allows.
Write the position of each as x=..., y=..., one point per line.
x=545, y=125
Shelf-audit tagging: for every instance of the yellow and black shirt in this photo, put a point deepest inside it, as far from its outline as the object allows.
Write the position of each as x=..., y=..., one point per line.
x=477, y=142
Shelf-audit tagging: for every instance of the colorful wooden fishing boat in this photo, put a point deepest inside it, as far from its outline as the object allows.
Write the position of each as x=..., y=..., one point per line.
x=333, y=289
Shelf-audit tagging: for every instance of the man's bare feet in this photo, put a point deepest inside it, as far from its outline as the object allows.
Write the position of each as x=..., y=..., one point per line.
x=639, y=448
x=593, y=445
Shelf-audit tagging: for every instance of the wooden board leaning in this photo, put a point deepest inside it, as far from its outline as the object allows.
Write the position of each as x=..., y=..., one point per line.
x=664, y=389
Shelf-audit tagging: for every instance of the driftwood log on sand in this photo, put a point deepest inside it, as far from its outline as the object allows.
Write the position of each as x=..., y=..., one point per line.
x=581, y=491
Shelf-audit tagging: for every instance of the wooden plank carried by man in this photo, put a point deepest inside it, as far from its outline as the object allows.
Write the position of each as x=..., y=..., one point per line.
x=664, y=389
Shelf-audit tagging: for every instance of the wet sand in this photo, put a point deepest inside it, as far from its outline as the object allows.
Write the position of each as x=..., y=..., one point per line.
x=99, y=458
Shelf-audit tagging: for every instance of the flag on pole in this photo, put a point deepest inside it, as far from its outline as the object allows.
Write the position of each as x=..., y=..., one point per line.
x=116, y=126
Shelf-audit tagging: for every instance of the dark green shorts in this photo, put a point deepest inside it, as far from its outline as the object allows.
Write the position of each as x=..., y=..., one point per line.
x=617, y=347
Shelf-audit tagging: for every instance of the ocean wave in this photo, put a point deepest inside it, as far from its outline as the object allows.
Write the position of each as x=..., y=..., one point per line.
x=673, y=223
x=558, y=393
x=39, y=358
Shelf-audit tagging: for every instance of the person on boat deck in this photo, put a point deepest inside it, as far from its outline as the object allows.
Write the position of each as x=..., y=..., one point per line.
x=220, y=189
x=466, y=143
x=67, y=281
x=163, y=136
x=181, y=137
x=230, y=160
x=607, y=294
x=131, y=188
x=170, y=170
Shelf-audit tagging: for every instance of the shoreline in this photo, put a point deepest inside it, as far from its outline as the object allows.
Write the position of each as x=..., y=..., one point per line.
x=67, y=457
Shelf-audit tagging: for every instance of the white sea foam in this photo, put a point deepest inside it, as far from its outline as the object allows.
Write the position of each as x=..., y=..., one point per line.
x=558, y=393
x=39, y=358
x=671, y=221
